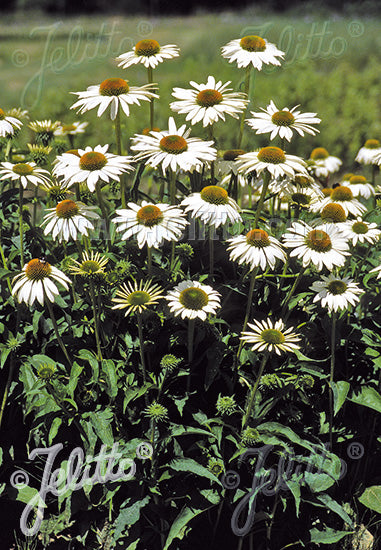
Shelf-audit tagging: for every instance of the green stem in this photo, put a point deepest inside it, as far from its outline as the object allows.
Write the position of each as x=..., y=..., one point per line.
x=141, y=346
x=331, y=375
x=172, y=187
x=247, y=91
x=151, y=103
x=211, y=250
x=3, y=259
x=248, y=306
x=149, y=261
x=34, y=212
x=266, y=181
x=191, y=324
x=291, y=293
x=254, y=391
x=56, y=331
x=101, y=202
x=118, y=137
x=21, y=225
x=96, y=320
x=7, y=386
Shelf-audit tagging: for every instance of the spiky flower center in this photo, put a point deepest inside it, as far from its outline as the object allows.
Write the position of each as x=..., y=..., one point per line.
x=113, y=86
x=208, y=98
x=67, y=209
x=22, y=169
x=319, y=240
x=372, y=144
x=258, y=238
x=360, y=228
x=272, y=336
x=283, y=118
x=301, y=198
x=253, y=43
x=193, y=298
x=357, y=179
x=214, y=194
x=302, y=181
x=327, y=191
x=2, y=114
x=150, y=215
x=232, y=154
x=90, y=267
x=342, y=193
x=68, y=128
x=271, y=155
x=37, y=269
x=173, y=144
x=333, y=213
x=92, y=161
x=139, y=298
x=147, y=47
x=337, y=287
x=45, y=371
x=319, y=153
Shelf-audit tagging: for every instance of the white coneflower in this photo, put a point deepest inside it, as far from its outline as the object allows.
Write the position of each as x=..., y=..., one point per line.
x=341, y=195
x=149, y=53
x=213, y=206
x=273, y=159
x=24, y=173
x=150, y=223
x=191, y=300
x=8, y=124
x=37, y=282
x=92, y=165
x=114, y=93
x=336, y=293
x=208, y=102
x=360, y=187
x=71, y=129
x=322, y=163
x=257, y=249
x=68, y=219
x=92, y=265
x=368, y=152
x=271, y=337
x=173, y=150
x=252, y=50
x=318, y=246
x=137, y=297
x=360, y=231
x=283, y=122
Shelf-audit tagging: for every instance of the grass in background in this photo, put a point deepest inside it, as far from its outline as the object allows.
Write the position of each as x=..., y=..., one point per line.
x=331, y=67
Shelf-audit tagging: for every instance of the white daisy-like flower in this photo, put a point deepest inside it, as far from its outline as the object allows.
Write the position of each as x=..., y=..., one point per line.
x=208, y=102
x=37, y=282
x=191, y=300
x=271, y=337
x=341, y=195
x=322, y=163
x=213, y=206
x=149, y=53
x=61, y=162
x=332, y=212
x=359, y=231
x=8, y=124
x=336, y=293
x=283, y=122
x=173, y=149
x=151, y=224
x=71, y=129
x=24, y=173
x=317, y=245
x=136, y=297
x=360, y=187
x=367, y=153
x=91, y=165
x=257, y=249
x=68, y=219
x=252, y=49
x=272, y=159
x=113, y=93
x=92, y=265
x=44, y=130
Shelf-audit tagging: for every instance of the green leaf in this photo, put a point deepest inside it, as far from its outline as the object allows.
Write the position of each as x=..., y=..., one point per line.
x=294, y=486
x=178, y=527
x=340, y=391
x=4, y=355
x=178, y=429
x=54, y=428
x=368, y=397
x=371, y=498
x=74, y=377
x=328, y=536
x=109, y=369
x=335, y=507
x=93, y=361
x=211, y=495
x=100, y=421
x=129, y=516
x=191, y=466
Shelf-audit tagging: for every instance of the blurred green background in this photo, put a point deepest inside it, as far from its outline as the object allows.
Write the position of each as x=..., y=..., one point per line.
x=332, y=67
